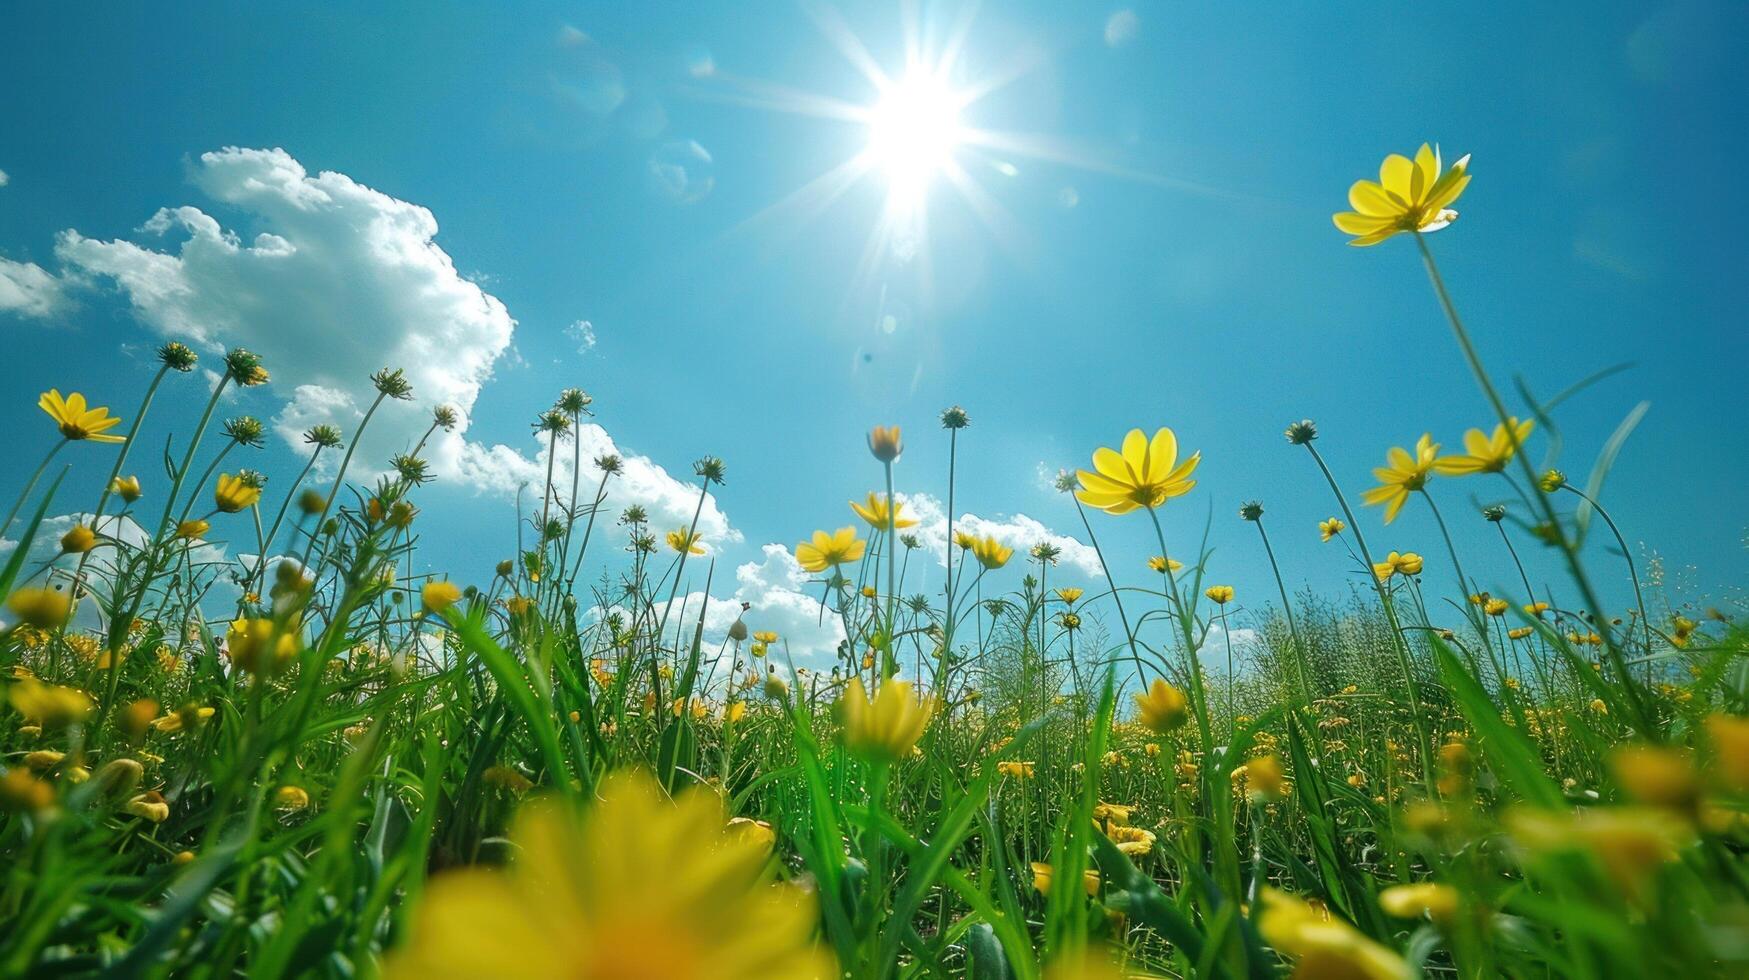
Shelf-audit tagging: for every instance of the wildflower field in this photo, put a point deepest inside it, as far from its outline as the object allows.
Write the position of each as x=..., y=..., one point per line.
x=353, y=768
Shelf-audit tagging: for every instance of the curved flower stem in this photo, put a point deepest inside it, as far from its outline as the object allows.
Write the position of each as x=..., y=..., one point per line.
x=1129, y=634
x=31, y=485
x=1287, y=608
x=1471, y=610
x=1633, y=573
x=1390, y=608
x=206, y=418
x=1644, y=719
x=340, y=476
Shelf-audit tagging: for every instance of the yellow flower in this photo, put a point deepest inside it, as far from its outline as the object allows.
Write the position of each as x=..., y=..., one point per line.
x=507, y=779
x=1537, y=608
x=1437, y=902
x=42, y=608
x=234, y=493
x=1519, y=632
x=1069, y=595
x=1163, y=708
x=75, y=420
x=991, y=553
x=753, y=833
x=188, y=717
x=291, y=798
x=1151, y=750
x=1016, y=770
x=1485, y=454
x=1730, y=739
x=48, y=705
x=1325, y=948
x=1145, y=474
x=150, y=806
x=965, y=539
x=259, y=647
x=1219, y=594
x=1403, y=475
x=1411, y=195
x=438, y=596
x=766, y=637
x=1629, y=843
x=639, y=887
x=1496, y=607
x=192, y=529
x=830, y=550
x=888, y=727
x=1655, y=775
x=79, y=539
x=1160, y=563
x=685, y=543
x=1041, y=879
x=884, y=442
x=21, y=791
x=1328, y=529
x=126, y=487
x=1132, y=841
x=1407, y=563
x=1264, y=777
x=876, y=512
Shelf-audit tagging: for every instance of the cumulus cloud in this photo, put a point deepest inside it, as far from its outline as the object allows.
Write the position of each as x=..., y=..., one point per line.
x=1017, y=531
x=27, y=289
x=338, y=280
x=56, y=567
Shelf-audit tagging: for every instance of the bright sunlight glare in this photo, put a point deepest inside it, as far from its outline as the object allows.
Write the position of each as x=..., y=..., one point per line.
x=913, y=131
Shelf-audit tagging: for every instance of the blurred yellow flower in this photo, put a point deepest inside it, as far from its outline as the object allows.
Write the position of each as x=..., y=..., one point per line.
x=1437, y=902
x=1729, y=735
x=1324, y=948
x=126, y=487
x=876, y=512
x=685, y=542
x=1042, y=874
x=1656, y=775
x=1160, y=563
x=49, y=705
x=766, y=637
x=1015, y=770
x=886, y=728
x=259, y=646
x=1328, y=529
x=42, y=608
x=1145, y=474
x=235, y=493
x=75, y=420
x=1265, y=778
x=991, y=553
x=1069, y=595
x=1485, y=453
x=1402, y=475
x=192, y=530
x=1629, y=843
x=438, y=596
x=1163, y=708
x=78, y=540
x=291, y=798
x=1219, y=594
x=830, y=550
x=151, y=806
x=1496, y=607
x=884, y=442
x=1411, y=195
x=639, y=887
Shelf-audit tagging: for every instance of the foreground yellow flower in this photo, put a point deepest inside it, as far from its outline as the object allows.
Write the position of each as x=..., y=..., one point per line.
x=639, y=887
x=42, y=608
x=990, y=553
x=1437, y=902
x=47, y=704
x=830, y=550
x=1407, y=563
x=75, y=420
x=1629, y=843
x=235, y=493
x=1324, y=948
x=191, y=530
x=1411, y=195
x=126, y=487
x=1163, y=708
x=877, y=513
x=78, y=540
x=438, y=596
x=685, y=543
x=259, y=646
x=1042, y=873
x=1160, y=563
x=1145, y=474
x=1328, y=529
x=888, y=727
x=1402, y=475
x=1485, y=453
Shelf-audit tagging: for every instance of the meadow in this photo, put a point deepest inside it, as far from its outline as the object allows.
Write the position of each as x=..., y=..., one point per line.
x=351, y=769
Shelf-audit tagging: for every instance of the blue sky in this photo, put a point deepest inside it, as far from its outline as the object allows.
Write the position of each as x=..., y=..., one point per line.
x=1167, y=259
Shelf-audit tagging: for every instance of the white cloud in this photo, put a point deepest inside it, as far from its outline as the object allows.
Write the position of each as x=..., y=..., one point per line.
x=4, y=180
x=27, y=289
x=1017, y=531
x=101, y=563
x=583, y=332
x=339, y=280
x=1121, y=27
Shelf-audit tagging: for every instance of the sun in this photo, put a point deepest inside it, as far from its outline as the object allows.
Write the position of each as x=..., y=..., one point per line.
x=913, y=130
